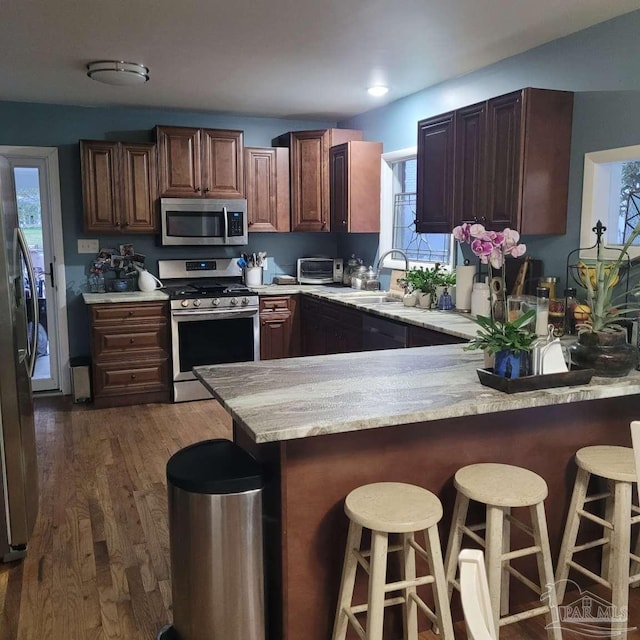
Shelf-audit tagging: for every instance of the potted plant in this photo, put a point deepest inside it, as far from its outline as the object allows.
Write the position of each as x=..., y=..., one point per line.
x=509, y=341
x=423, y=281
x=602, y=342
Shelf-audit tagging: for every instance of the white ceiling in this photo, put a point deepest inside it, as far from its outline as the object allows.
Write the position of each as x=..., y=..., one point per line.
x=281, y=58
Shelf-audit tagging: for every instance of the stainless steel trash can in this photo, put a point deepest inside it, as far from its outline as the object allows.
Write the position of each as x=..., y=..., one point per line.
x=215, y=527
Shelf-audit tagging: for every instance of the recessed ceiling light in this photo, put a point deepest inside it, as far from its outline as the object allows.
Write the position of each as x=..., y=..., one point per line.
x=118, y=72
x=378, y=90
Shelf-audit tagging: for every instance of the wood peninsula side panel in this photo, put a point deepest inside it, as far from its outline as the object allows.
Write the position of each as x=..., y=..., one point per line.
x=310, y=477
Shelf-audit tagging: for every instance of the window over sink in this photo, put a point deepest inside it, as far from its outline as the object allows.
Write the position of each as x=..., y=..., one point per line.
x=398, y=213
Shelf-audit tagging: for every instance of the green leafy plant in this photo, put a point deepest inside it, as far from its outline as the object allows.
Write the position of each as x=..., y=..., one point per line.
x=424, y=279
x=495, y=335
x=599, y=279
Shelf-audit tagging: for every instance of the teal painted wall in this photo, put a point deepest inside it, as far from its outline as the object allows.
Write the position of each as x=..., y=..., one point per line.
x=599, y=64
x=63, y=126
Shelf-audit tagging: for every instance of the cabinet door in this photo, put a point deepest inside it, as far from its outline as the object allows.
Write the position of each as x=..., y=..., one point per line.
x=470, y=137
x=179, y=157
x=504, y=161
x=307, y=178
x=140, y=188
x=100, y=190
x=275, y=336
x=267, y=188
x=339, y=187
x=222, y=164
x=436, y=148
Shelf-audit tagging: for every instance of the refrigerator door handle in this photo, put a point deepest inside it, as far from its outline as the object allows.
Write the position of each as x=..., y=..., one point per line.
x=33, y=342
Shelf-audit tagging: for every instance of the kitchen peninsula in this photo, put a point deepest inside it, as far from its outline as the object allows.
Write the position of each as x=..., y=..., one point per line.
x=325, y=425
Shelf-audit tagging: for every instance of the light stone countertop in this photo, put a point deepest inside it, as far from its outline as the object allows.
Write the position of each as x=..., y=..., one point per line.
x=451, y=322
x=125, y=296
x=276, y=400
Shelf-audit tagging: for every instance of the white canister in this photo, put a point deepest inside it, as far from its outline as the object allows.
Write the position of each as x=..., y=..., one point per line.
x=465, y=275
x=480, y=300
x=253, y=276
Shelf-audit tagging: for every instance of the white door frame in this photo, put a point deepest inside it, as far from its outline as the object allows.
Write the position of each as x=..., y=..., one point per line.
x=50, y=156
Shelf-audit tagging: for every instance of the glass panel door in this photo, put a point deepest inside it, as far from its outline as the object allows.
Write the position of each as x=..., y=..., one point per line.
x=31, y=210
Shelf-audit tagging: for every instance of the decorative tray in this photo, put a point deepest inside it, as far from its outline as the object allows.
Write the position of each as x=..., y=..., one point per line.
x=534, y=383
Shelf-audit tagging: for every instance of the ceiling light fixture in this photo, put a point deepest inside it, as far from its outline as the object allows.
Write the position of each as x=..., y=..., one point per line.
x=378, y=90
x=118, y=72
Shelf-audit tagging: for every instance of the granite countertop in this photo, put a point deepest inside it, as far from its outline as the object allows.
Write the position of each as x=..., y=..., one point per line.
x=276, y=400
x=451, y=322
x=125, y=296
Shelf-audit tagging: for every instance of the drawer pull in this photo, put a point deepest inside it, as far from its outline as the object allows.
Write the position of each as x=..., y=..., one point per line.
x=131, y=340
x=133, y=376
x=130, y=313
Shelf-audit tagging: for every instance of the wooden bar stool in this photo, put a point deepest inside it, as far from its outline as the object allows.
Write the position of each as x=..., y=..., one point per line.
x=384, y=508
x=617, y=466
x=500, y=487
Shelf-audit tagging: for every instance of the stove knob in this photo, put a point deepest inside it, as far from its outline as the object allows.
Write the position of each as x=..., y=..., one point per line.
x=245, y=301
x=184, y=303
x=196, y=303
x=234, y=302
x=215, y=302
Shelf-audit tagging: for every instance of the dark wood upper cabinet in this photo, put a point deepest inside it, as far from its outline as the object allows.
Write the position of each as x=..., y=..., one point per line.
x=119, y=187
x=503, y=160
x=267, y=188
x=200, y=163
x=470, y=173
x=509, y=158
x=435, y=184
x=309, y=162
x=354, y=179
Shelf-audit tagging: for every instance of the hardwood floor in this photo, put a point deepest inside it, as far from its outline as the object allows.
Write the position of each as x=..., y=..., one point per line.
x=98, y=562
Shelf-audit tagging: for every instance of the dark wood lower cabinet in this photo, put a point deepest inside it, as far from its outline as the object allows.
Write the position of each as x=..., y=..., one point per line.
x=279, y=327
x=422, y=337
x=331, y=328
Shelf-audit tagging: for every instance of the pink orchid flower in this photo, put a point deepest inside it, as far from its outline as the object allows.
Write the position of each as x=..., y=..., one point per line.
x=461, y=233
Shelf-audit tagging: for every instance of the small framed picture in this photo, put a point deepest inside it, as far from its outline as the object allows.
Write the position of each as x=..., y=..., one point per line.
x=105, y=254
x=117, y=262
x=126, y=250
x=139, y=258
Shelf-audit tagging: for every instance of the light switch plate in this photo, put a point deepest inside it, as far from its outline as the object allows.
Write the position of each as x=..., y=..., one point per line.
x=88, y=246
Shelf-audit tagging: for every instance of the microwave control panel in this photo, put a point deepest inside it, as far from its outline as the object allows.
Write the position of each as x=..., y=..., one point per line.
x=236, y=227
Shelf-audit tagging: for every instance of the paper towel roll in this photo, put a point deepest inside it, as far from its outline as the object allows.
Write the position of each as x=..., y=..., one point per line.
x=464, y=285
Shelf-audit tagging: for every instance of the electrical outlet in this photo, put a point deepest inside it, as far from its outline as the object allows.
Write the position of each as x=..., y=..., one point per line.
x=88, y=246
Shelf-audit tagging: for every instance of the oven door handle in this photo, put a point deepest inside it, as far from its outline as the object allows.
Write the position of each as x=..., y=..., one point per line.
x=225, y=214
x=215, y=315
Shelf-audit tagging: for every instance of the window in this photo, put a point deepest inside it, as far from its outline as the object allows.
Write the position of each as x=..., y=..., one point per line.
x=611, y=194
x=397, y=228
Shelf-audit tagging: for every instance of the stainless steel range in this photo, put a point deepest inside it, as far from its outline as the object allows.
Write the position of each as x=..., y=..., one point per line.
x=214, y=319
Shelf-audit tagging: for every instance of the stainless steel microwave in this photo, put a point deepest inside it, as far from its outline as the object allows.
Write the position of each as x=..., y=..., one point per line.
x=319, y=270
x=195, y=221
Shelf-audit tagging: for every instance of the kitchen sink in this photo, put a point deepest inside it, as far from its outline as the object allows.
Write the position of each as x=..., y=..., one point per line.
x=378, y=298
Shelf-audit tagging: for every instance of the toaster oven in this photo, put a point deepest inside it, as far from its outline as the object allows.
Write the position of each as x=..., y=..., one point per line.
x=319, y=270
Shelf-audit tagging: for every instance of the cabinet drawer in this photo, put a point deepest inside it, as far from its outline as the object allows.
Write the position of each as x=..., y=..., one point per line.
x=275, y=304
x=137, y=311
x=139, y=377
x=125, y=342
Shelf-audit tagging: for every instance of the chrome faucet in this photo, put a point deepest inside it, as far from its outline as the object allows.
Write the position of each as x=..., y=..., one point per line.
x=387, y=253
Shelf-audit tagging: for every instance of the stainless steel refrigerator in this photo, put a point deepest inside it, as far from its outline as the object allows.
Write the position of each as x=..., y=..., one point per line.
x=19, y=474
